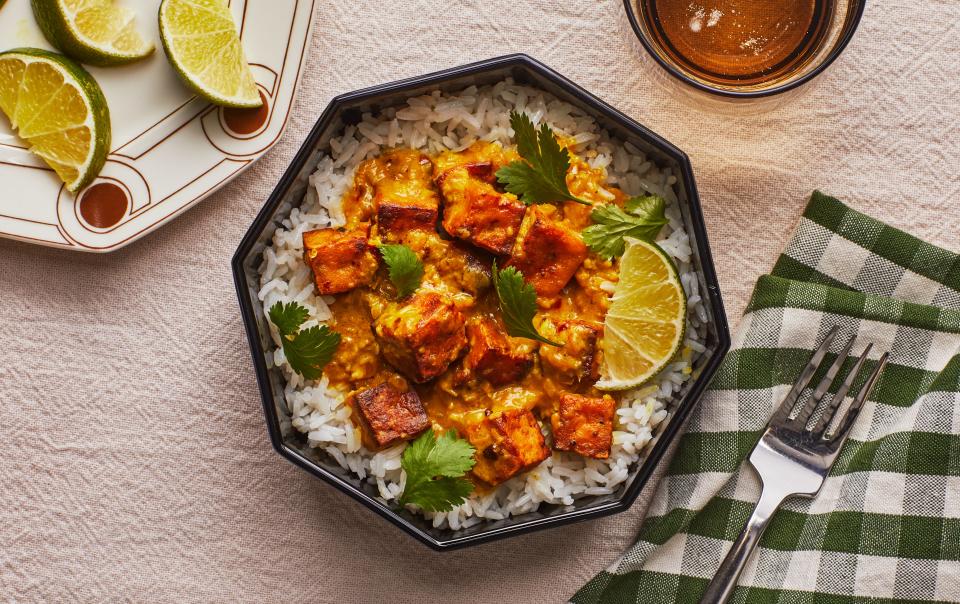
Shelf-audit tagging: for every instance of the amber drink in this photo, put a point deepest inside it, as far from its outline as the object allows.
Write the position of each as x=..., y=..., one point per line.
x=744, y=46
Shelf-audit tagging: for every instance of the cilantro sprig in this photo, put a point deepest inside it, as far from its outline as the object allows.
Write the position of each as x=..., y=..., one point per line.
x=435, y=469
x=404, y=267
x=541, y=177
x=643, y=219
x=518, y=304
x=309, y=350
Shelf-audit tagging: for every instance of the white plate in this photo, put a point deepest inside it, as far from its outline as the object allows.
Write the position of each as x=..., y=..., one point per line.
x=170, y=149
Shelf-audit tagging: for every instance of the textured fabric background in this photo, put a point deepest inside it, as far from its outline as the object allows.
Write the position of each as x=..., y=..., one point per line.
x=134, y=464
x=885, y=523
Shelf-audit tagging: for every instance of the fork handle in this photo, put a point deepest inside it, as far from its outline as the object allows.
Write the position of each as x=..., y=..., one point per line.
x=724, y=583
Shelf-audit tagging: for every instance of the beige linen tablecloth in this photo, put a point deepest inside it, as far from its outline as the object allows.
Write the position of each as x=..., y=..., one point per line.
x=134, y=462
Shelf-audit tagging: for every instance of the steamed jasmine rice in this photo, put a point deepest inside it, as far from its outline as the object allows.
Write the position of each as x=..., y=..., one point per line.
x=434, y=123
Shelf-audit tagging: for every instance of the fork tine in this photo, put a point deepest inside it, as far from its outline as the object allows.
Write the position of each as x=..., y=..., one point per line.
x=783, y=412
x=821, y=390
x=843, y=429
x=841, y=394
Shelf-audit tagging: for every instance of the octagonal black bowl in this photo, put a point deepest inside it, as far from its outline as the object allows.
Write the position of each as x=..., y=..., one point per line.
x=347, y=109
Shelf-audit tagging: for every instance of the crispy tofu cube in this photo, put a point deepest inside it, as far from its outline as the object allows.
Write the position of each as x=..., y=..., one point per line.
x=584, y=425
x=507, y=443
x=495, y=356
x=422, y=336
x=341, y=259
x=389, y=416
x=406, y=198
x=578, y=360
x=396, y=219
x=475, y=211
x=482, y=159
x=402, y=177
x=547, y=252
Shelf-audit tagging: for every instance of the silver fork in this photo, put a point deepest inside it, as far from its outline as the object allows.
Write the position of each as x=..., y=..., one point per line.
x=791, y=460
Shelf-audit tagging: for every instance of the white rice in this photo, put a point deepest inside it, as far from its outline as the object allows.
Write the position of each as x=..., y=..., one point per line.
x=434, y=123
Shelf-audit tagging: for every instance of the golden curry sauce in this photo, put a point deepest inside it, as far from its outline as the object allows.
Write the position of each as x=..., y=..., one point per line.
x=403, y=196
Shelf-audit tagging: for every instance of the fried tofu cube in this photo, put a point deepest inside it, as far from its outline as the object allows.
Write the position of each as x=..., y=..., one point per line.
x=507, y=443
x=396, y=219
x=495, y=356
x=584, y=425
x=547, y=252
x=389, y=415
x=422, y=336
x=475, y=211
x=341, y=259
x=482, y=159
x=406, y=198
x=401, y=177
x=578, y=360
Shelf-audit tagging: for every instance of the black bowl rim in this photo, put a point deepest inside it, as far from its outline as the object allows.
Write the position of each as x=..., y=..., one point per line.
x=850, y=28
x=258, y=354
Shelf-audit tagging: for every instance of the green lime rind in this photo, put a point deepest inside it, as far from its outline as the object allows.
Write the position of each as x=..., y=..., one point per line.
x=57, y=29
x=96, y=103
x=191, y=82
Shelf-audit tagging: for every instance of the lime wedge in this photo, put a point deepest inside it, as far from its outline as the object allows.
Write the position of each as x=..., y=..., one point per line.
x=645, y=325
x=204, y=47
x=59, y=110
x=97, y=32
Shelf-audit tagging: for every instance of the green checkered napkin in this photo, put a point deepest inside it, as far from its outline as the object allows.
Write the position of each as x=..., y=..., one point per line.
x=886, y=525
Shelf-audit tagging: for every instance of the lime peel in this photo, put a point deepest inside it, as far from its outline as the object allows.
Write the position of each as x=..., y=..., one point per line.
x=202, y=44
x=66, y=122
x=97, y=32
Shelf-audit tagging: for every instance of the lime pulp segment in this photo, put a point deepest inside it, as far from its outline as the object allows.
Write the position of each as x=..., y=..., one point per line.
x=203, y=45
x=98, y=32
x=646, y=322
x=59, y=110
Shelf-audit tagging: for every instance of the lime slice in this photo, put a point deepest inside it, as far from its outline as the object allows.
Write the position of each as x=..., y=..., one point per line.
x=57, y=107
x=97, y=32
x=204, y=47
x=646, y=322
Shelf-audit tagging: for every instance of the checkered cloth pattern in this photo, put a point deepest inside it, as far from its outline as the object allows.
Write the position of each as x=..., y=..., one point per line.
x=886, y=525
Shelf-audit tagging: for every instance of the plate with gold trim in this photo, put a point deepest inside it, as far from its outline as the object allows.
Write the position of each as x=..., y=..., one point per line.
x=170, y=149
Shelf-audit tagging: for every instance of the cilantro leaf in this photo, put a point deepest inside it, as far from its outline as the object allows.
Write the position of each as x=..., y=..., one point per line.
x=605, y=238
x=518, y=304
x=288, y=317
x=542, y=178
x=525, y=134
x=307, y=351
x=439, y=494
x=405, y=268
x=646, y=205
x=445, y=455
x=434, y=468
